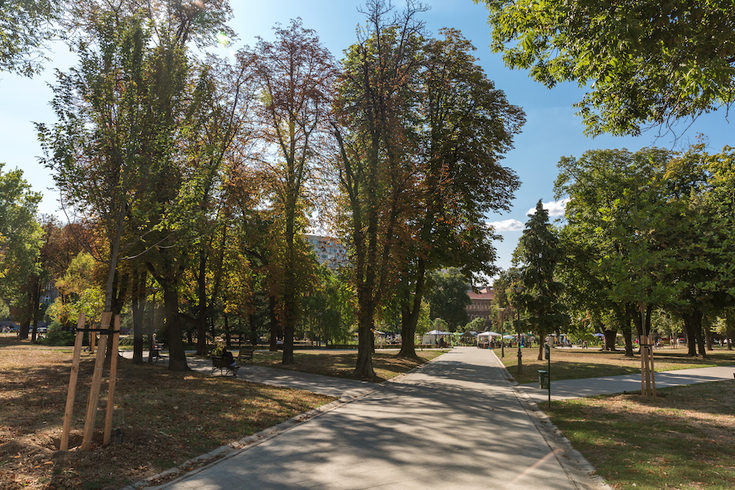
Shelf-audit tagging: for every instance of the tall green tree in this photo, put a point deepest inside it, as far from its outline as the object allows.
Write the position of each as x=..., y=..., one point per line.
x=720, y=199
x=130, y=121
x=448, y=297
x=296, y=76
x=537, y=255
x=329, y=308
x=616, y=200
x=466, y=126
x=20, y=245
x=644, y=61
x=98, y=139
x=650, y=237
x=699, y=229
x=373, y=109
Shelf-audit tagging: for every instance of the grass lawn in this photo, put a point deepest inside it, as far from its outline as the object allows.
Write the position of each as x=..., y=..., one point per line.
x=166, y=418
x=591, y=363
x=341, y=364
x=684, y=438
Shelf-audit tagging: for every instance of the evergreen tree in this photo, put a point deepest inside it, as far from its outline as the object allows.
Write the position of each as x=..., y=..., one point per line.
x=538, y=253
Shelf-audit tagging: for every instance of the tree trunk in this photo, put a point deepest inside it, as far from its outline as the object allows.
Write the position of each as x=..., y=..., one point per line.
x=202, y=307
x=289, y=319
x=275, y=327
x=610, y=337
x=410, y=316
x=694, y=337
x=649, y=310
x=627, y=331
x=364, y=366
x=25, y=326
x=408, y=330
x=177, y=355
x=213, y=329
x=708, y=339
x=689, y=335
x=253, y=329
x=628, y=337
x=698, y=334
x=228, y=336
x=35, y=300
x=138, y=309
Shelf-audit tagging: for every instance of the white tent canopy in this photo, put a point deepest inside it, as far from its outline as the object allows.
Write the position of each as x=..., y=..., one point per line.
x=488, y=334
x=434, y=336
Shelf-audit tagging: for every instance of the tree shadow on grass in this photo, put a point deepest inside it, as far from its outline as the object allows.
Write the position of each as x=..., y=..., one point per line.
x=682, y=437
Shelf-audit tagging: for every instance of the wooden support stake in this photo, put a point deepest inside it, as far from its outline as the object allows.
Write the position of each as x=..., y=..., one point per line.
x=644, y=354
x=653, y=374
x=72, y=384
x=94, y=393
x=643, y=364
x=113, y=378
x=648, y=366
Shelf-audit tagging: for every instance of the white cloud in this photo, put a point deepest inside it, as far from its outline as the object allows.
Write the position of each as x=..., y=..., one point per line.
x=506, y=225
x=555, y=208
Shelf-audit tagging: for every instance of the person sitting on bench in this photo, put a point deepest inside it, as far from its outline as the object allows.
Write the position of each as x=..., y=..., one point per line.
x=230, y=358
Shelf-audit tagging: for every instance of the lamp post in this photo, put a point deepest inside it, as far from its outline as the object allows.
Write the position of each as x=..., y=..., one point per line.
x=502, y=332
x=520, y=354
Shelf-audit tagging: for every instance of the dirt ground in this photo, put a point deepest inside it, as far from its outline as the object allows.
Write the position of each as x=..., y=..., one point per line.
x=165, y=418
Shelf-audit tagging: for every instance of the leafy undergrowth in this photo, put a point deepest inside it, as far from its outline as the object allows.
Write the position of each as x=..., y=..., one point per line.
x=684, y=438
x=386, y=365
x=593, y=363
x=166, y=418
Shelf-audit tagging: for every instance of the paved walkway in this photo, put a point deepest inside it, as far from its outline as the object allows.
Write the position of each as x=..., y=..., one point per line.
x=323, y=385
x=578, y=388
x=458, y=422
x=455, y=423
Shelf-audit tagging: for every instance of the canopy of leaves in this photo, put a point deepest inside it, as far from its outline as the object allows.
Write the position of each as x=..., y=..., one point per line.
x=616, y=201
x=25, y=27
x=538, y=254
x=448, y=297
x=644, y=61
x=468, y=126
x=20, y=233
x=648, y=228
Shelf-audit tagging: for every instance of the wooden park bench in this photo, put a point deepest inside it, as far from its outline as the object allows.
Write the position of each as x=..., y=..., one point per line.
x=245, y=355
x=219, y=362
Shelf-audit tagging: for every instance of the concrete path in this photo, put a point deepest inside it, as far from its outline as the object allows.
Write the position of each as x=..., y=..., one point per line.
x=456, y=423
x=323, y=385
x=578, y=388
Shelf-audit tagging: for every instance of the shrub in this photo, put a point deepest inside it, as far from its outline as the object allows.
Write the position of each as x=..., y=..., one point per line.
x=57, y=335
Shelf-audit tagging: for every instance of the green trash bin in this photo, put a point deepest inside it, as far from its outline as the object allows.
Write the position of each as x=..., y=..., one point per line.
x=543, y=380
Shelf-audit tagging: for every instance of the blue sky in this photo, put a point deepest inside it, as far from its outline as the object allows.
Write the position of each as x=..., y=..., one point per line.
x=551, y=131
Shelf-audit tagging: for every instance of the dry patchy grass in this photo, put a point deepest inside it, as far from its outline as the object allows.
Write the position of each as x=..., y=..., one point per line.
x=166, y=418
x=592, y=363
x=342, y=365
x=685, y=438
